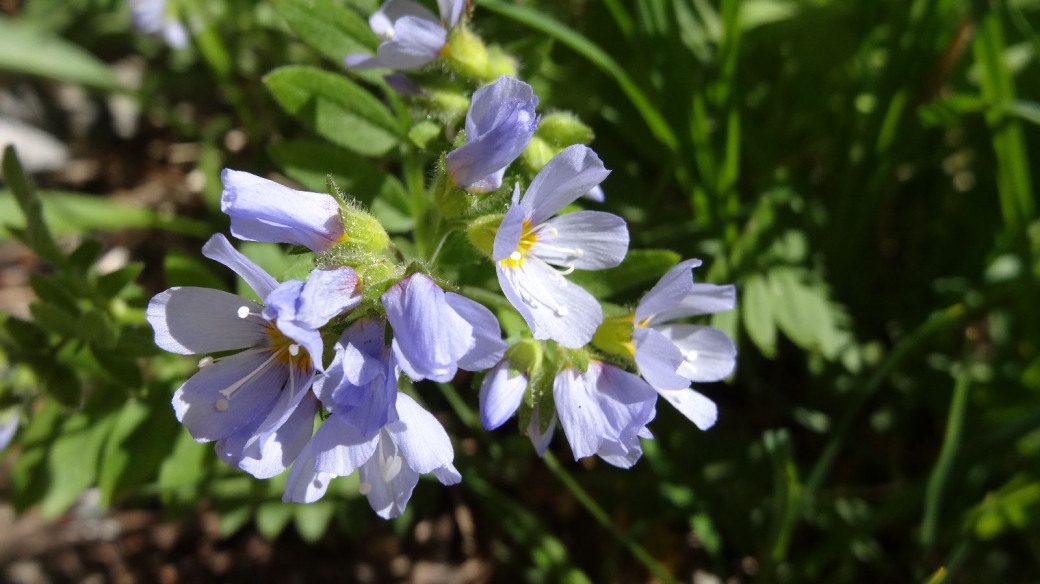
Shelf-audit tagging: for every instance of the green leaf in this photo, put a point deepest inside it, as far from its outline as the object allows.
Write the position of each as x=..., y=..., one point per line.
x=143, y=435
x=24, y=49
x=73, y=460
x=183, y=473
x=51, y=292
x=795, y=307
x=122, y=369
x=72, y=213
x=29, y=477
x=312, y=520
x=97, y=328
x=272, y=517
x=336, y=108
x=36, y=234
x=329, y=27
x=61, y=383
x=757, y=310
x=639, y=267
x=111, y=284
x=54, y=319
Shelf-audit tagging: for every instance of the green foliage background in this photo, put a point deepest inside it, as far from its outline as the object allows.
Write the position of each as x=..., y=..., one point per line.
x=860, y=169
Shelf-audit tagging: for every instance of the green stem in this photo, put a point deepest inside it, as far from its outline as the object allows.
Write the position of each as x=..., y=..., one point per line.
x=597, y=512
x=937, y=484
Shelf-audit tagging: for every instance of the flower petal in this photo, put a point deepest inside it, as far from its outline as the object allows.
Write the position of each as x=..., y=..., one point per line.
x=194, y=321
x=416, y=42
x=700, y=410
x=539, y=440
x=569, y=175
x=499, y=124
x=708, y=353
x=382, y=20
x=219, y=249
x=702, y=299
x=339, y=449
x=488, y=347
x=579, y=413
x=305, y=484
x=328, y=293
x=507, y=238
x=451, y=11
x=627, y=402
x=448, y=475
x=554, y=307
x=209, y=414
x=658, y=359
x=429, y=336
x=8, y=428
x=500, y=395
x=295, y=393
x=263, y=210
x=280, y=449
x=585, y=240
x=669, y=291
x=596, y=194
x=621, y=454
x=424, y=444
x=388, y=498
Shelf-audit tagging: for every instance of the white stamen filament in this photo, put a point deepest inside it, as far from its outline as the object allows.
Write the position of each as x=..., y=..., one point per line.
x=389, y=467
x=222, y=403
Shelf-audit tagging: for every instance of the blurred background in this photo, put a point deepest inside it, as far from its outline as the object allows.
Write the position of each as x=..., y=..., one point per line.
x=860, y=169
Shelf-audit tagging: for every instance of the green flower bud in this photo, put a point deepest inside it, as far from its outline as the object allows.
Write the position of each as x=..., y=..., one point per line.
x=537, y=154
x=561, y=129
x=501, y=63
x=447, y=102
x=466, y=55
x=614, y=336
x=482, y=231
x=450, y=200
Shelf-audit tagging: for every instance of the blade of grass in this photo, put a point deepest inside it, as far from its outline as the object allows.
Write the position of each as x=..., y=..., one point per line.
x=651, y=115
x=939, y=481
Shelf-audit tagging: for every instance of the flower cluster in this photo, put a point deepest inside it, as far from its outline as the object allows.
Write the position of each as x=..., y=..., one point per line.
x=265, y=375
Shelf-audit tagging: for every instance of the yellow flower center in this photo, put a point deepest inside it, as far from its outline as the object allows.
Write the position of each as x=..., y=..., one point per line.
x=527, y=241
x=286, y=350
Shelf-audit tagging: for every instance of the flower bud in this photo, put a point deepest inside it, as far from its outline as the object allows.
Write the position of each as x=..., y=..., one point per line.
x=537, y=154
x=614, y=336
x=561, y=129
x=482, y=231
x=466, y=55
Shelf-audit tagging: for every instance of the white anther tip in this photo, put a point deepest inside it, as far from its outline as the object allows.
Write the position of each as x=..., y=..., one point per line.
x=691, y=355
x=221, y=405
x=243, y=311
x=205, y=362
x=562, y=311
x=578, y=252
x=515, y=256
x=364, y=488
x=294, y=349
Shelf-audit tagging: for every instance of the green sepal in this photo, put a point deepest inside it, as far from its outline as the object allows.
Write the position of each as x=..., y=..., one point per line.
x=482, y=231
x=466, y=54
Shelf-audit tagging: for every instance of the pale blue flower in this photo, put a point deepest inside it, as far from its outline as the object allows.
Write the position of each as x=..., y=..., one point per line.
x=8, y=428
x=670, y=355
x=500, y=396
x=499, y=124
x=263, y=210
x=388, y=463
x=360, y=385
x=151, y=17
x=438, y=332
x=412, y=35
x=604, y=411
x=530, y=241
x=255, y=403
